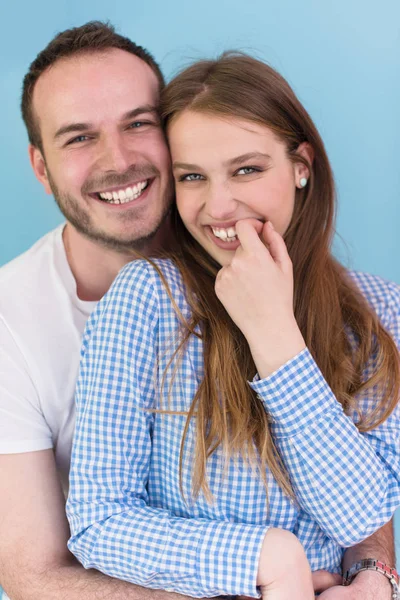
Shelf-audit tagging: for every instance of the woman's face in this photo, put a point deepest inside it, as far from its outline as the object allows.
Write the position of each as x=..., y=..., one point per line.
x=228, y=169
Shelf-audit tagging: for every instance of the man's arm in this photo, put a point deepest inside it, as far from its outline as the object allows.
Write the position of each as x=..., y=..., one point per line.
x=367, y=585
x=34, y=559
x=380, y=545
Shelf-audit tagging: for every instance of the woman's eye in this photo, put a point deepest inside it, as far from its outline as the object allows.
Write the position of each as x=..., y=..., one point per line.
x=247, y=171
x=191, y=177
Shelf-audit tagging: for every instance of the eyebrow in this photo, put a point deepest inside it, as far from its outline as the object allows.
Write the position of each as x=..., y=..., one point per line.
x=248, y=156
x=79, y=127
x=232, y=162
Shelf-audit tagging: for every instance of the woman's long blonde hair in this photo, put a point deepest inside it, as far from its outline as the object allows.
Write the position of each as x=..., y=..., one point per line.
x=328, y=307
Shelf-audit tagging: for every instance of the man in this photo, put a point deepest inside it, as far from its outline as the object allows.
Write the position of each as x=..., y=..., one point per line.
x=90, y=107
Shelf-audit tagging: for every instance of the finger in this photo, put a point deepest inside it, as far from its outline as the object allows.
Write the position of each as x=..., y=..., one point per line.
x=276, y=245
x=256, y=223
x=323, y=580
x=248, y=232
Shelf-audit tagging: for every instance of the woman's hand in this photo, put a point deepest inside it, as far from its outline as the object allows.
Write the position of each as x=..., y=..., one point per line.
x=256, y=289
x=324, y=580
x=283, y=570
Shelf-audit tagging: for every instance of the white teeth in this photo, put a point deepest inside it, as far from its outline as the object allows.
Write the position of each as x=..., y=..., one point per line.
x=227, y=235
x=139, y=187
x=123, y=196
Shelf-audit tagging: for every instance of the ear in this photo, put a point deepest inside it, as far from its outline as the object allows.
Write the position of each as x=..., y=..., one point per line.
x=301, y=171
x=39, y=167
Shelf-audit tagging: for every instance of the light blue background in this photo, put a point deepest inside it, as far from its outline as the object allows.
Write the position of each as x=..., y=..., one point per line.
x=341, y=56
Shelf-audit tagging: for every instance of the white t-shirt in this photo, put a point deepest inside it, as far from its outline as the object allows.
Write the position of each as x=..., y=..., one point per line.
x=41, y=325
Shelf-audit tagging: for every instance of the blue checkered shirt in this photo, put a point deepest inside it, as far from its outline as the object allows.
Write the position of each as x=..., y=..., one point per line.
x=127, y=515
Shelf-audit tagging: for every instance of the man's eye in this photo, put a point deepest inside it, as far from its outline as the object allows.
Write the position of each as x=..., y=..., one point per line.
x=139, y=124
x=247, y=170
x=191, y=177
x=78, y=139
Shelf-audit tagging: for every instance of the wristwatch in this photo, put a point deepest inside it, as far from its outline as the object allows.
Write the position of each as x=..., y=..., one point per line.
x=371, y=564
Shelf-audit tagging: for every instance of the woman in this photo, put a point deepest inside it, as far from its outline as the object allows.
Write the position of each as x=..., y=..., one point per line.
x=245, y=389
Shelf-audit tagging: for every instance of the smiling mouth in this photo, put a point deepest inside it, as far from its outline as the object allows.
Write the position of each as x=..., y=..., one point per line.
x=226, y=235
x=123, y=195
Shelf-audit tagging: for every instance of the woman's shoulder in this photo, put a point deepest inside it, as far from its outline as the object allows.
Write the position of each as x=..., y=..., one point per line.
x=152, y=274
x=382, y=295
x=139, y=294
x=149, y=283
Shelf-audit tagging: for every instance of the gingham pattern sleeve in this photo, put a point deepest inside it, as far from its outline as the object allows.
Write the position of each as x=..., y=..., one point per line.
x=347, y=481
x=113, y=528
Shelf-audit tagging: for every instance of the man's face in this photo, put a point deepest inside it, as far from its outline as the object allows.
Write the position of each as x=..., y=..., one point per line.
x=105, y=156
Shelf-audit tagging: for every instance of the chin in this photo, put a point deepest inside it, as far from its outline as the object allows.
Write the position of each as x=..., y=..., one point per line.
x=224, y=261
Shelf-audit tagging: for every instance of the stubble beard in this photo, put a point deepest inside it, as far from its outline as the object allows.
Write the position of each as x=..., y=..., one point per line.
x=81, y=220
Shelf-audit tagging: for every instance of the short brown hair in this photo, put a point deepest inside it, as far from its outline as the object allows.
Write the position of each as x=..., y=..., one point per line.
x=94, y=36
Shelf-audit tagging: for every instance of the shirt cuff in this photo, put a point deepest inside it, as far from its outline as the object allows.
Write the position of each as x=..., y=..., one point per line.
x=296, y=395
x=228, y=558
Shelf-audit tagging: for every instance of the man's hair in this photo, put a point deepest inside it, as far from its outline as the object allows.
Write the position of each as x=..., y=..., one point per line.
x=94, y=36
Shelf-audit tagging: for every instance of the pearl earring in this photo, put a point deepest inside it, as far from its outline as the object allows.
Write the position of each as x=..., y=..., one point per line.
x=303, y=182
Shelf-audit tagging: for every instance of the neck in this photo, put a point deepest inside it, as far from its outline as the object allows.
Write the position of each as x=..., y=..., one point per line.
x=95, y=267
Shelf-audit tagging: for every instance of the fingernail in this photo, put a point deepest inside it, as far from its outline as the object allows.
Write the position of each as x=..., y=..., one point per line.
x=271, y=226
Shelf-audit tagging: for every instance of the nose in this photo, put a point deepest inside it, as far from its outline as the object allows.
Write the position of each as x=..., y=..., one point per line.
x=115, y=156
x=220, y=203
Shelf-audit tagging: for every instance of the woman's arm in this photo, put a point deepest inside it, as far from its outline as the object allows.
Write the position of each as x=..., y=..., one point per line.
x=284, y=571
x=348, y=482
x=113, y=527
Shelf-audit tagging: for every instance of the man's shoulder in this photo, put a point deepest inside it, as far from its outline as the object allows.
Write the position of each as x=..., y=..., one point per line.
x=30, y=277
x=24, y=265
